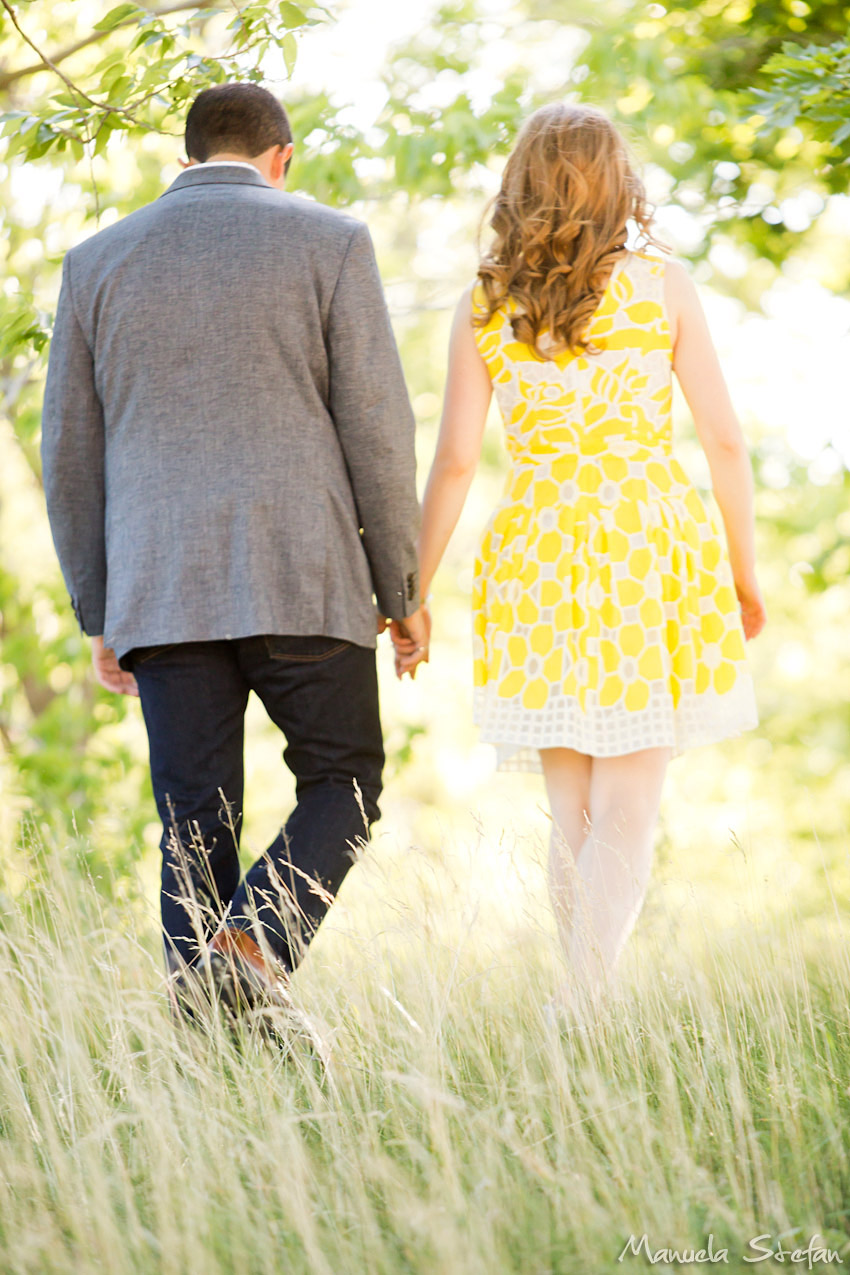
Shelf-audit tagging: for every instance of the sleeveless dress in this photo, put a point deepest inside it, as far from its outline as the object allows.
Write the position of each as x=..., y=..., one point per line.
x=605, y=617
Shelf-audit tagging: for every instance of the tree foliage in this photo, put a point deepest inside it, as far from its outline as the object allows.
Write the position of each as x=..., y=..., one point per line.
x=741, y=103
x=741, y=106
x=810, y=84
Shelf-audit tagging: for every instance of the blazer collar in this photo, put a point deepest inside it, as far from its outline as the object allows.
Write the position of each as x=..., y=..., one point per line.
x=228, y=174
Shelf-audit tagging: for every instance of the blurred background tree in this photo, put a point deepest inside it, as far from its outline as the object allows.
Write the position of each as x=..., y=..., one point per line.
x=740, y=115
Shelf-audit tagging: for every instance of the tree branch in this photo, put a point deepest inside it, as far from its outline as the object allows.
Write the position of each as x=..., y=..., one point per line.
x=8, y=78
x=6, y=737
x=45, y=61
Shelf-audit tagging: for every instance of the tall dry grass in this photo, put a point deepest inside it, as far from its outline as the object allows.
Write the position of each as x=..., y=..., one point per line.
x=453, y=1132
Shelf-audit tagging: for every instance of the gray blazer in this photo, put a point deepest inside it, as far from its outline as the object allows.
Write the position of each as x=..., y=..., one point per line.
x=227, y=439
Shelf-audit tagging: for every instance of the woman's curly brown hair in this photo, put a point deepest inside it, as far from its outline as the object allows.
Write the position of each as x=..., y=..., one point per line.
x=560, y=220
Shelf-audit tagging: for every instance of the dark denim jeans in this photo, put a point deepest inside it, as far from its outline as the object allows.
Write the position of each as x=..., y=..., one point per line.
x=323, y=694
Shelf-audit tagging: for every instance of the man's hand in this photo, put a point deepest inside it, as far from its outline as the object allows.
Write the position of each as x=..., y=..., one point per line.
x=411, y=637
x=109, y=672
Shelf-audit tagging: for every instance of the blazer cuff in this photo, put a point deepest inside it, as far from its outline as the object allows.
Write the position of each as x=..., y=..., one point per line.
x=402, y=601
x=90, y=618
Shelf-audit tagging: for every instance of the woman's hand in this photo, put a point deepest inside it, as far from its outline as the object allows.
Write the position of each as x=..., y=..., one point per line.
x=753, y=613
x=411, y=638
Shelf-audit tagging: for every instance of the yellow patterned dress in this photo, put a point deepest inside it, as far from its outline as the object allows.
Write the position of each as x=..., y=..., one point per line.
x=605, y=617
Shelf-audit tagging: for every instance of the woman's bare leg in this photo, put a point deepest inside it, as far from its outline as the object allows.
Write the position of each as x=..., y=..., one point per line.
x=567, y=775
x=611, y=869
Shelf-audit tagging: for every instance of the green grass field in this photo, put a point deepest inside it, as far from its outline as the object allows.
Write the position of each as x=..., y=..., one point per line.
x=452, y=1132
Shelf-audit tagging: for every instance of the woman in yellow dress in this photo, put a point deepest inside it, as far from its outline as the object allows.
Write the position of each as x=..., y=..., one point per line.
x=609, y=614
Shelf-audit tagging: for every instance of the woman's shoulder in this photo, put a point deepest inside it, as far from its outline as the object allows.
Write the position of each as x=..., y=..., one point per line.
x=674, y=272
x=472, y=304
x=679, y=288
x=665, y=278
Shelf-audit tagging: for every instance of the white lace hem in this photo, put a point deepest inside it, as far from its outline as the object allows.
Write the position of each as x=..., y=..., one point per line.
x=518, y=733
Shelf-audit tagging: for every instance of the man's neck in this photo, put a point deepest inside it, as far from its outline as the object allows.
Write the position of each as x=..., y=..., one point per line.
x=238, y=161
x=271, y=165
x=226, y=158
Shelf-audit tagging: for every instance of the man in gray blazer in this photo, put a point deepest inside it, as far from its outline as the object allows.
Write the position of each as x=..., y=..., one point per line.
x=229, y=470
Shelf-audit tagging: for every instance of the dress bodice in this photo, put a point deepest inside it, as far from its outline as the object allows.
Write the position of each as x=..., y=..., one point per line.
x=615, y=400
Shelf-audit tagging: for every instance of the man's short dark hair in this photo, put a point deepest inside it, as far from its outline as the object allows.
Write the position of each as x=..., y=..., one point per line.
x=235, y=119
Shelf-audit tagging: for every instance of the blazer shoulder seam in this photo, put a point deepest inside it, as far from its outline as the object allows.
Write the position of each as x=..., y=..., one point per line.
x=358, y=227
x=67, y=272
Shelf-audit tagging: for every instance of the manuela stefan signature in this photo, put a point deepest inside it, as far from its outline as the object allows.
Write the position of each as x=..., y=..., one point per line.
x=761, y=1248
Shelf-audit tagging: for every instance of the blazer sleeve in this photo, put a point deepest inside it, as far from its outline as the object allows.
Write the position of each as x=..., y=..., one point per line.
x=373, y=417
x=72, y=455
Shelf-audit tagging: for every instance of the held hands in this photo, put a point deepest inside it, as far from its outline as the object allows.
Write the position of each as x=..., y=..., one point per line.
x=753, y=614
x=411, y=637
x=109, y=672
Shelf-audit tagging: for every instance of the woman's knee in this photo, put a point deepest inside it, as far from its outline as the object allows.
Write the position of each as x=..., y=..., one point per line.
x=567, y=774
x=627, y=790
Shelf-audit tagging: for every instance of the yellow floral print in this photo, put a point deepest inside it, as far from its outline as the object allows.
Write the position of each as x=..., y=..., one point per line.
x=605, y=618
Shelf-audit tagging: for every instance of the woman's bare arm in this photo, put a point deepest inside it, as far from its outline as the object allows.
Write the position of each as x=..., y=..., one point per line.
x=468, y=393
x=698, y=371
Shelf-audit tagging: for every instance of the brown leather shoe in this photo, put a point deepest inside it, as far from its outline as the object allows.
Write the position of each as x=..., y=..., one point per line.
x=252, y=992
x=243, y=977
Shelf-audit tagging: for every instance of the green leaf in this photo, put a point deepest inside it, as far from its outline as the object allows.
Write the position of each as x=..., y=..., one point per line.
x=292, y=15
x=117, y=15
x=20, y=326
x=111, y=59
x=112, y=77
x=119, y=90
x=14, y=123
x=290, y=51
